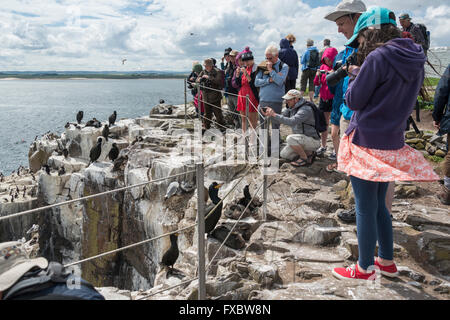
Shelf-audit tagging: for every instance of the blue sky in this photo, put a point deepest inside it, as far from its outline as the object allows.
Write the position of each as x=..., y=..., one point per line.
x=170, y=34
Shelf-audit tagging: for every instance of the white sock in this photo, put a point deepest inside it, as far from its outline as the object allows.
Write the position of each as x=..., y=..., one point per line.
x=447, y=182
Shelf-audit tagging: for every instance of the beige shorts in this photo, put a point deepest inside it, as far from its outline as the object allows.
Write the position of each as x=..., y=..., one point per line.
x=308, y=144
x=343, y=126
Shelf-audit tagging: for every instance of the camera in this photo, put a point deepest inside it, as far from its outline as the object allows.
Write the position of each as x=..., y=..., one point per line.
x=339, y=73
x=323, y=71
x=205, y=82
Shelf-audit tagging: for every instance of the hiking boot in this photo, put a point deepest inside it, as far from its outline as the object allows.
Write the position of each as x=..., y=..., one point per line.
x=353, y=272
x=332, y=156
x=444, y=196
x=348, y=216
x=321, y=151
x=388, y=271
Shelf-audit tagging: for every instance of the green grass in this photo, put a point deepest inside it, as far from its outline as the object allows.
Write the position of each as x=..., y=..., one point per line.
x=431, y=82
x=434, y=158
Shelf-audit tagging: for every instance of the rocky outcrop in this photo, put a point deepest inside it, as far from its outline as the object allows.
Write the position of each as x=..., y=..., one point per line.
x=288, y=256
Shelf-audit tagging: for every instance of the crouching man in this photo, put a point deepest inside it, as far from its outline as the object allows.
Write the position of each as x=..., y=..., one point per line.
x=304, y=138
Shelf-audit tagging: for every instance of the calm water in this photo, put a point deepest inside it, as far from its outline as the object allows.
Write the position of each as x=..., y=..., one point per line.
x=32, y=107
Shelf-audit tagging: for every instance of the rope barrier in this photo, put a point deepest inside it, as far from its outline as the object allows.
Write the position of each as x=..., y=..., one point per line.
x=234, y=226
x=166, y=289
x=90, y=197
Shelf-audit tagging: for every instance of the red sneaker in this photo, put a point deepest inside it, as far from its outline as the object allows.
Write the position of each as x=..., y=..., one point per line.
x=352, y=272
x=388, y=271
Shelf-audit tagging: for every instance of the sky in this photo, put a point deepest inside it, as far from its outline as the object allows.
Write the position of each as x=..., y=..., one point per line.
x=96, y=35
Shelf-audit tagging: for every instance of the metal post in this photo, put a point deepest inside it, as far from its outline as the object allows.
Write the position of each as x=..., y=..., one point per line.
x=266, y=165
x=185, y=101
x=246, y=126
x=201, y=230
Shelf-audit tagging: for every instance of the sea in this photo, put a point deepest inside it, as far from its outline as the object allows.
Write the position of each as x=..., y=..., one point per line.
x=30, y=108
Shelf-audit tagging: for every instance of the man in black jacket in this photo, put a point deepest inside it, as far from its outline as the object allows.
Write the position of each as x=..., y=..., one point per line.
x=441, y=117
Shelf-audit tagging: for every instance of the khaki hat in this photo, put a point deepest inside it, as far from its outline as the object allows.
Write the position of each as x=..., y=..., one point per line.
x=346, y=7
x=14, y=263
x=291, y=94
x=208, y=62
x=404, y=16
x=233, y=53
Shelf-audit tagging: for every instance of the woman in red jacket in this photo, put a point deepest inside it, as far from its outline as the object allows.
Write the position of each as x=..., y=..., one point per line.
x=326, y=97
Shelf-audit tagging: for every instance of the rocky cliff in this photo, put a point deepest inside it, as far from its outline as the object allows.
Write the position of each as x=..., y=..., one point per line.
x=288, y=256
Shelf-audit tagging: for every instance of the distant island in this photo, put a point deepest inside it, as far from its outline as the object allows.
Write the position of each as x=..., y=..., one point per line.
x=92, y=75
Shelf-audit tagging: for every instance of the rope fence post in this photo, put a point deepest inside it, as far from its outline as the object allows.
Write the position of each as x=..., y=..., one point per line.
x=246, y=126
x=185, y=101
x=201, y=231
x=266, y=165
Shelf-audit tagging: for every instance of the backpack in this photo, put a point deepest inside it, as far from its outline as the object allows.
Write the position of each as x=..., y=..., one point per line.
x=222, y=75
x=53, y=283
x=320, y=123
x=314, y=59
x=426, y=35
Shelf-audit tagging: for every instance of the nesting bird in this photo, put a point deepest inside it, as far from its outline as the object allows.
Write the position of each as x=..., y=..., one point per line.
x=214, y=216
x=105, y=132
x=46, y=168
x=96, y=151
x=112, y=118
x=61, y=171
x=79, y=116
x=171, y=255
x=120, y=162
x=114, y=152
x=172, y=189
x=65, y=153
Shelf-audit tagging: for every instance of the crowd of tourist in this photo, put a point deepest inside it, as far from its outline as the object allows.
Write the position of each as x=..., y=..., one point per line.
x=379, y=76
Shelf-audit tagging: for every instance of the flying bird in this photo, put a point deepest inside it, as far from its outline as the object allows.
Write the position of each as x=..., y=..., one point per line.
x=123, y=61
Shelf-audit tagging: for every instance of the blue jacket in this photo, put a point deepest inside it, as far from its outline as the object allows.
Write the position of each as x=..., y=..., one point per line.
x=289, y=56
x=441, y=113
x=341, y=88
x=305, y=58
x=272, y=91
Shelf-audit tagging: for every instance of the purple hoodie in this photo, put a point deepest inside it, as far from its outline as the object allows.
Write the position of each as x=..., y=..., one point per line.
x=384, y=94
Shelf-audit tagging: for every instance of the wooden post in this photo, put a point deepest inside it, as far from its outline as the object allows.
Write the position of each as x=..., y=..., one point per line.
x=247, y=99
x=201, y=231
x=185, y=102
x=266, y=165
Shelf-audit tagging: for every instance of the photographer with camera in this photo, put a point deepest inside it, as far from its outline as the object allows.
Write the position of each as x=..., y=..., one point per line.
x=326, y=97
x=211, y=78
x=382, y=93
x=304, y=139
x=345, y=16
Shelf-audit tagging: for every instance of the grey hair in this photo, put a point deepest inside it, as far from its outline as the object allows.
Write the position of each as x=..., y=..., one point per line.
x=272, y=49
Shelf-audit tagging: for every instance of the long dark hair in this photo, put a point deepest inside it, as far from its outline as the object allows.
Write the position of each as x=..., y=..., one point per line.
x=375, y=38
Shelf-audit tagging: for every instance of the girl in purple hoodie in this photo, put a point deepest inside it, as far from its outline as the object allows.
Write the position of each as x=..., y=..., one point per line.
x=383, y=93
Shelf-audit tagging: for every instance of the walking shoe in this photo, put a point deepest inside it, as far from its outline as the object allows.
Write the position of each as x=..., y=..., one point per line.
x=444, y=196
x=388, y=271
x=352, y=272
x=332, y=156
x=348, y=215
x=321, y=151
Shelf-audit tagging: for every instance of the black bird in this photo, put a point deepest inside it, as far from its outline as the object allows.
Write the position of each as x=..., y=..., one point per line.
x=61, y=171
x=112, y=118
x=96, y=151
x=137, y=139
x=105, y=132
x=79, y=116
x=114, y=152
x=24, y=191
x=171, y=255
x=46, y=168
x=211, y=221
x=161, y=101
x=65, y=153
x=17, y=189
x=67, y=125
x=247, y=197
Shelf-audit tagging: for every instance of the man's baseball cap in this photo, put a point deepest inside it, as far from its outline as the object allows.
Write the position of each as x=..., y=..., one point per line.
x=291, y=94
x=346, y=7
x=376, y=16
x=404, y=16
x=15, y=262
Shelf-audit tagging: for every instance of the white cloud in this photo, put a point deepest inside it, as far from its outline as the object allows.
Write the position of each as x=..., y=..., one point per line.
x=170, y=34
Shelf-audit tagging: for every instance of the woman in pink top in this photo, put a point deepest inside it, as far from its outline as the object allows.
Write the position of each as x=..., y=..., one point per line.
x=326, y=97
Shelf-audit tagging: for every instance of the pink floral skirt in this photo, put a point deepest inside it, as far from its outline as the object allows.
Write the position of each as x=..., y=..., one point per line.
x=405, y=164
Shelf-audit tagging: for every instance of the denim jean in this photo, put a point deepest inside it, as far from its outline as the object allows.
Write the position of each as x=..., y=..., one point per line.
x=373, y=221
